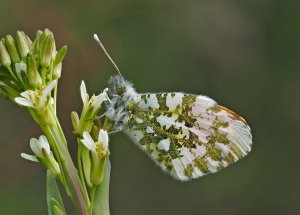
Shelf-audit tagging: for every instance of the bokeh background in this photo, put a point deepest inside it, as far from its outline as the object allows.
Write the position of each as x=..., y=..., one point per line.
x=244, y=54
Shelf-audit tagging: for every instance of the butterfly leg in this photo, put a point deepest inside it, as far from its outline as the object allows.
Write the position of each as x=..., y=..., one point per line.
x=102, y=115
x=114, y=131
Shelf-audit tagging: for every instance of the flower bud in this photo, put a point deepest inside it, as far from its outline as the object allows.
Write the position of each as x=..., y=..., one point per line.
x=43, y=36
x=57, y=71
x=47, y=32
x=4, y=56
x=12, y=49
x=47, y=49
x=75, y=120
x=22, y=44
x=60, y=55
x=34, y=78
x=35, y=45
x=29, y=42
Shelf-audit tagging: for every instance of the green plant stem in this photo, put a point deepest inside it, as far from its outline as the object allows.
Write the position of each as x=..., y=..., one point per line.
x=55, y=98
x=93, y=190
x=101, y=202
x=69, y=172
x=79, y=161
x=80, y=168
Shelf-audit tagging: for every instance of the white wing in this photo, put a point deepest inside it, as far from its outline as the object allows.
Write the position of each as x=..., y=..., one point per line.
x=188, y=136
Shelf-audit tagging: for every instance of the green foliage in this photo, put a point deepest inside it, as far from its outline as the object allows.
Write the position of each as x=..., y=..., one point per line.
x=54, y=200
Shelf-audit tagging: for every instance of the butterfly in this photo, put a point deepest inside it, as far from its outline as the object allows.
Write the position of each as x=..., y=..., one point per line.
x=186, y=135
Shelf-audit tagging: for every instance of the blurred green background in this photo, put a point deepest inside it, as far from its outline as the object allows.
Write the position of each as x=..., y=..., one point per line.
x=244, y=54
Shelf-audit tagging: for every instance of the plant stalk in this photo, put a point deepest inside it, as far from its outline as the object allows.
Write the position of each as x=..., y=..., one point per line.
x=69, y=172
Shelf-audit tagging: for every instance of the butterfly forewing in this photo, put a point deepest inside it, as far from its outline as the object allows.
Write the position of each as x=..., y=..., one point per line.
x=187, y=135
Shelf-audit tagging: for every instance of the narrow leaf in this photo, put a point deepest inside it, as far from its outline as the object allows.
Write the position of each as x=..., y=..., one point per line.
x=53, y=194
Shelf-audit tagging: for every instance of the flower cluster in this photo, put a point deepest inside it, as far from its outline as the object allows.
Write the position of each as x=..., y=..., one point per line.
x=29, y=70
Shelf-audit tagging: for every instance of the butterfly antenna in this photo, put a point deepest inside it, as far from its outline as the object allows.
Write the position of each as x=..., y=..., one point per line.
x=106, y=53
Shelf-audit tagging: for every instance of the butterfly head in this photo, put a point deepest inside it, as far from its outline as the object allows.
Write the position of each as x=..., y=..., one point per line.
x=119, y=87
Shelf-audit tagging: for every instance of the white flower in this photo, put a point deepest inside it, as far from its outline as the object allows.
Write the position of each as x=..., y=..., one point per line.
x=99, y=147
x=94, y=158
x=93, y=102
x=36, y=99
x=37, y=146
x=43, y=154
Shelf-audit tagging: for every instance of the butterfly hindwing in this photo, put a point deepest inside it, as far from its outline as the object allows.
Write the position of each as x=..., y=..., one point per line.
x=187, y=135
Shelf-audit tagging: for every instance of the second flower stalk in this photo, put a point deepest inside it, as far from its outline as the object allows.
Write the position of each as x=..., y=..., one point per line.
x=92, y=137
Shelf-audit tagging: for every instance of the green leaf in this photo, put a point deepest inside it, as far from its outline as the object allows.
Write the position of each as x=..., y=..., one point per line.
x=54, y=200
x=101, y=204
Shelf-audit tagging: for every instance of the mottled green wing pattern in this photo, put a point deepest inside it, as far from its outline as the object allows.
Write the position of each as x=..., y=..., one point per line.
x=187, y=135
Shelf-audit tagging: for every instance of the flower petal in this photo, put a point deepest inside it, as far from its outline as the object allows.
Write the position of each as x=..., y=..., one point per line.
x=88, y=145
x=88, y=142
x=26, y=94
x=103, y=138
x=83, y=92
x=36, y=147
x=49, y=88
x=29, y=157
x=46, y=92
x=24, y=102
x=45, y=144
x=99, y=100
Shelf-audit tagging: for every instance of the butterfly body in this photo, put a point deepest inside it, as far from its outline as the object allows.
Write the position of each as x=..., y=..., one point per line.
x=187, y=135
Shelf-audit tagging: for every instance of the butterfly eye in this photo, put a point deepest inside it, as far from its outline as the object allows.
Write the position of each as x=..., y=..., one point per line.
x=120, y=89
